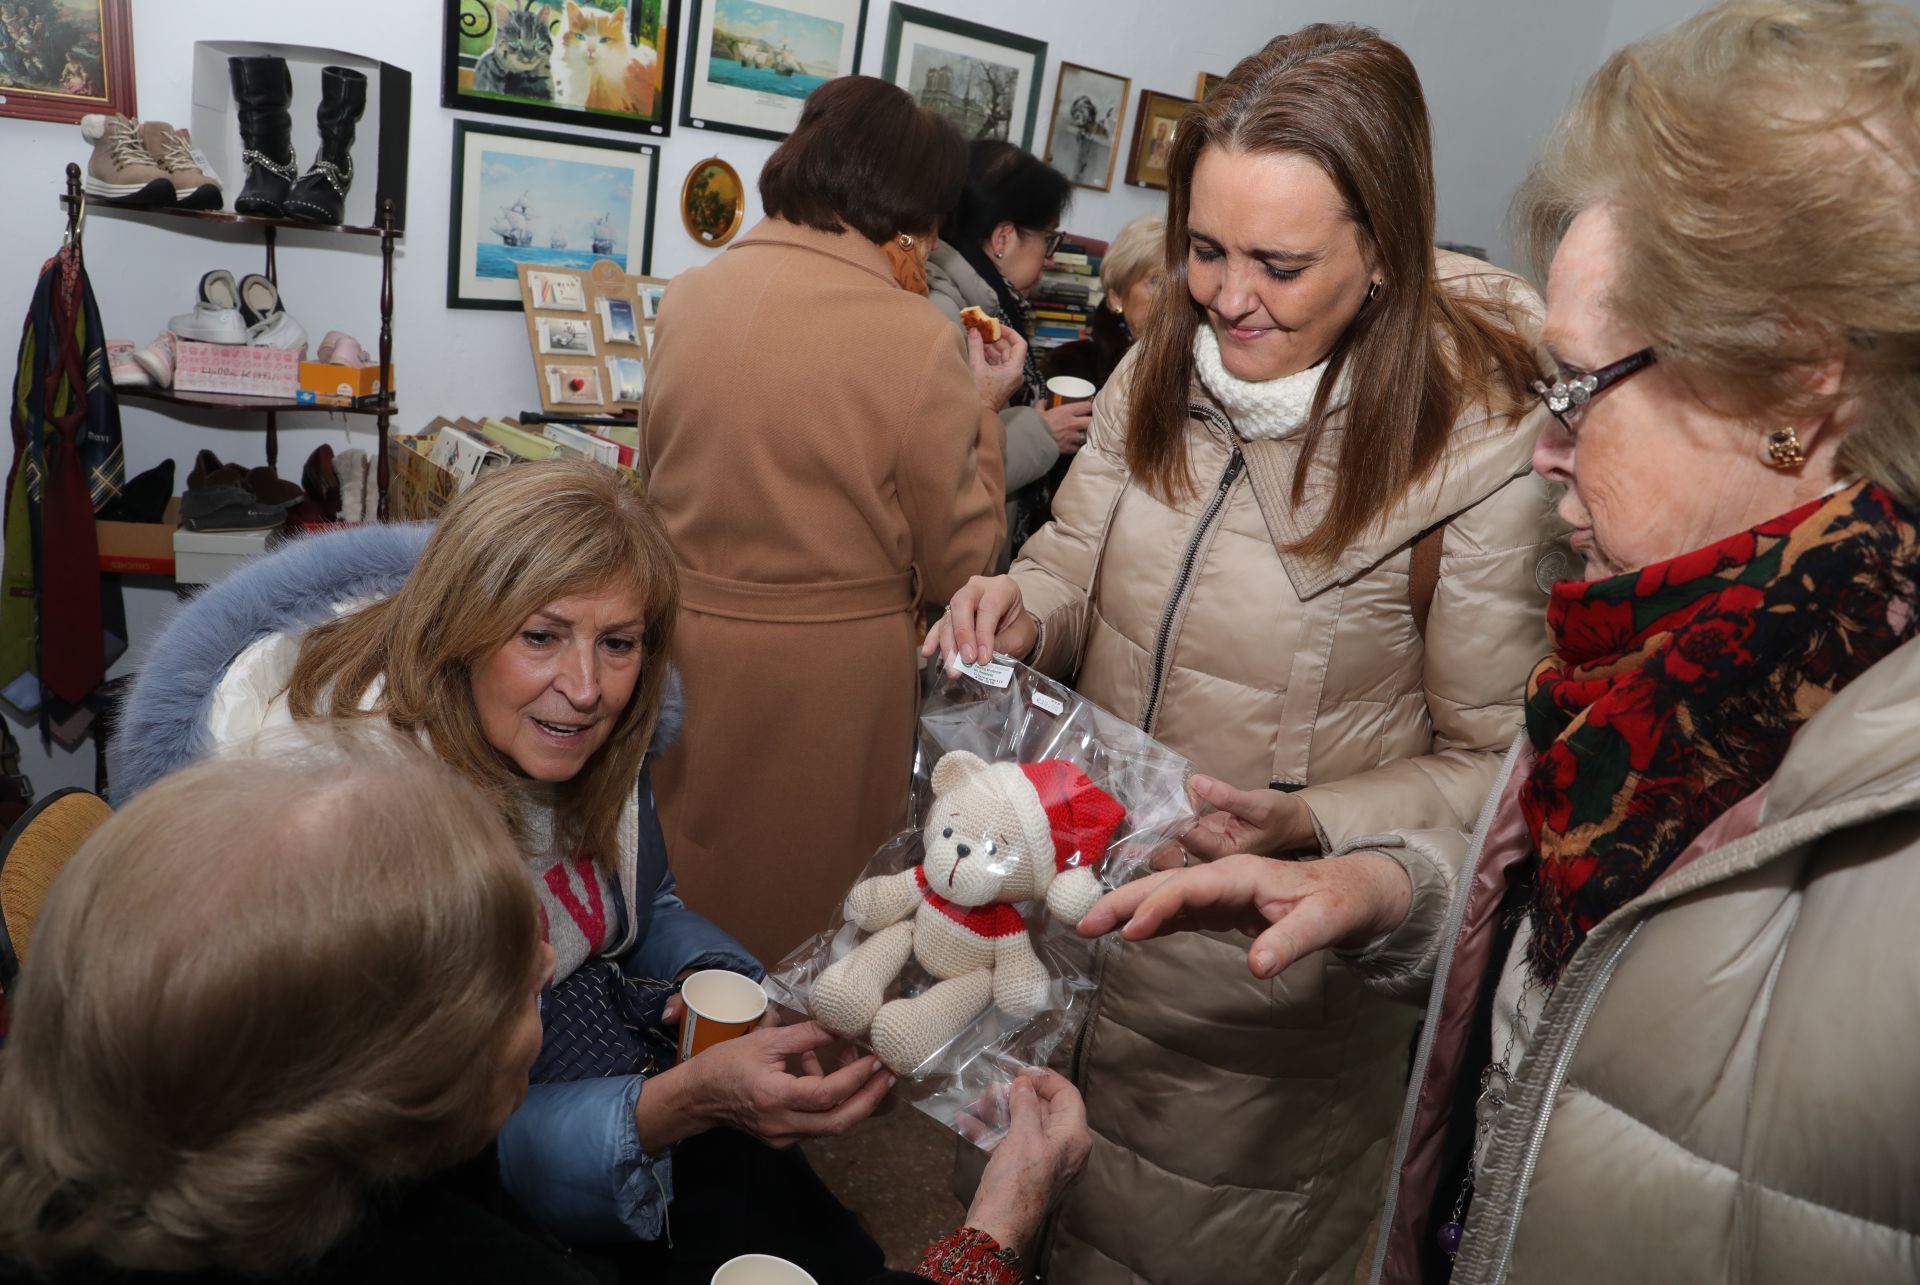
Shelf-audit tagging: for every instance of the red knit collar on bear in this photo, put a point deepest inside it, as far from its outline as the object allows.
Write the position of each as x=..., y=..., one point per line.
x=990, y=921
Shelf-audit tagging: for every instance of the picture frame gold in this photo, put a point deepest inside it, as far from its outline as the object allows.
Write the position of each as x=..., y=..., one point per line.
x=1207, y=83
x=1154, y=126
x=713, y=202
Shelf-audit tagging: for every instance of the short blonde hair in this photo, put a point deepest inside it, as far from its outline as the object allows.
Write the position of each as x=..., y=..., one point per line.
x=1762, y=165
x=516, y=542
x=265, y=987
x=1131, y=255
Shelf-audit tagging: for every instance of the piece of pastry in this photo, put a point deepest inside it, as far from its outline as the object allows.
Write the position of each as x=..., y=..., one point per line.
x=975, y=319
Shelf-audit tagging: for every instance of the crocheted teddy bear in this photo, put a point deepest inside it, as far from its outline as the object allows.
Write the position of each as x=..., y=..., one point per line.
x=998, y=833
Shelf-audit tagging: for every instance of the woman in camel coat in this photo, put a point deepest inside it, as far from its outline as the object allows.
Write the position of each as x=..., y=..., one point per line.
x=826, y=455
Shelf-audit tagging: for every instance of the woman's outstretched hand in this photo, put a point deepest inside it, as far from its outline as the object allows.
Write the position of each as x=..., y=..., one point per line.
x=1289, y=908
x=1262, y=821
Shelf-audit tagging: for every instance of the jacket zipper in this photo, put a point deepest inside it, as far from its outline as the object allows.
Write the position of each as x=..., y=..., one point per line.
x=1043, y=1243
x=1538, y=1138
x=1423, y=1056
x=1164, y=640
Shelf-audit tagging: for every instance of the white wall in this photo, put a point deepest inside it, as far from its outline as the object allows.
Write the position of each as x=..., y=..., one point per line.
x=1497, y=72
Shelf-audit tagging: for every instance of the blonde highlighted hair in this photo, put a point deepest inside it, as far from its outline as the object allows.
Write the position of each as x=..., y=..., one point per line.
x=1761, y=162
x=267, y=986
x=515, y=543
x=1131, y=255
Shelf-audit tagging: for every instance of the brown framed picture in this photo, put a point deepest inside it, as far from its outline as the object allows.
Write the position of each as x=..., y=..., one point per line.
x=712, y=202
x=1089, y=109
x=64, y=59
x=1153, y=129
x=1208, y=83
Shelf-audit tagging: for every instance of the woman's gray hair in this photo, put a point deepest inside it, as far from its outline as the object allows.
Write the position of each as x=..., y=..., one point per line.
x=1761, y=162
x=270, y=984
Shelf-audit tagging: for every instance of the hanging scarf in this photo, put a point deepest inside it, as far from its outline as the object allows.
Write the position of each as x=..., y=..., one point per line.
x=1674, y=691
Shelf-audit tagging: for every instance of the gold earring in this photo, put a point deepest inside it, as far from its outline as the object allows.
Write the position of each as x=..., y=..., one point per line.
x=905, y=242
x=1783, y=449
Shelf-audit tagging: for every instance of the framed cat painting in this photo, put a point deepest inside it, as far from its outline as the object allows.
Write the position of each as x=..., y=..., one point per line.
x=605, y=63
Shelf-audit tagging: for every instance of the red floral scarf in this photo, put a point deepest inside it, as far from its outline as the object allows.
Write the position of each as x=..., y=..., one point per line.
x=1673, y=692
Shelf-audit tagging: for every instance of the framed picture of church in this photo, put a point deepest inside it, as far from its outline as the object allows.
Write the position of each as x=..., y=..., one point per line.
x=985, y=81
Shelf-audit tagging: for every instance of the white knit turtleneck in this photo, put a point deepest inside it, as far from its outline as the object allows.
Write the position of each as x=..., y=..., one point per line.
x=1266, y=409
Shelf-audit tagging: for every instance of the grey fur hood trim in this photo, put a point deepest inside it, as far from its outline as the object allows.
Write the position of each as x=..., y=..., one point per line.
x=163, y=720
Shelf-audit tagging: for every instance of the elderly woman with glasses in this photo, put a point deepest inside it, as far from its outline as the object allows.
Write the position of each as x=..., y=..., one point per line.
x=1669, y=1034
x=993, y=247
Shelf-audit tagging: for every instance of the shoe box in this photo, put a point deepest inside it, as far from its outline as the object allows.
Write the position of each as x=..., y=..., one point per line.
x=380, y=139
x=325, y=384
x=139, y=548
x=240, y=369
x=204, y=557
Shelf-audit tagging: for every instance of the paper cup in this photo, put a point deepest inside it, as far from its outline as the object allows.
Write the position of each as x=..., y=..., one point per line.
x=1069, y=388
x=720, y=1006
x=760, y=1269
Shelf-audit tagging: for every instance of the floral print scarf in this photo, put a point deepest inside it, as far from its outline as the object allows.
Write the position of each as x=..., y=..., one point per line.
x=1673, y=692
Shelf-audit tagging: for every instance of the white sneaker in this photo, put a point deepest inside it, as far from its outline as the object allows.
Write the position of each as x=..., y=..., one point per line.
x=121, y=367
x=210, y=324
x=279, y=331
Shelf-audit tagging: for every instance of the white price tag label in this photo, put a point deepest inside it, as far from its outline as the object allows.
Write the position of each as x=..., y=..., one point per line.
x=1048, y=703
x=990, y=674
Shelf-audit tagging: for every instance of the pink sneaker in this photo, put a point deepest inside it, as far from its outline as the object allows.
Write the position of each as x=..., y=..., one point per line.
x=157, y=360
x=342, y=349
x=121, y=367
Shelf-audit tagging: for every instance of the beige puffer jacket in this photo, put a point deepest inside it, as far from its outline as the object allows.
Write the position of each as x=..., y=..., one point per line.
x=1241, y=1127
x=1722, y=1085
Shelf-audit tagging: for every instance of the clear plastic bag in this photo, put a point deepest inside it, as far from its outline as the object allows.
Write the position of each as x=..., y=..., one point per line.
x=1028, y=802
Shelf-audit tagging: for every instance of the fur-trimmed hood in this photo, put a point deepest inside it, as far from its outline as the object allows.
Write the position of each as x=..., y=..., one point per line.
x=163, y=721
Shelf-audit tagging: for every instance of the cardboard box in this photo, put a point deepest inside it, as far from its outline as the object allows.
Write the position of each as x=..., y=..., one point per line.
x=239, y=369
x=380, y=149
x=204, y=557
x=325, y=379
x=139, y=548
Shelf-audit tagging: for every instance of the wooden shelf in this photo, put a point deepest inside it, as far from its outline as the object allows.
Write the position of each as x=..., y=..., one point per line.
x=98, y=205
x=242, y=402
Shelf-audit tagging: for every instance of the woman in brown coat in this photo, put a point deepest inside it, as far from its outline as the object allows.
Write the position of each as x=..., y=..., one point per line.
x=825, y=452
x=1301, y=548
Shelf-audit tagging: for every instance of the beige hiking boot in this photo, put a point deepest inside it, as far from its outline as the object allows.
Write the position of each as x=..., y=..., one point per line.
x=194, y=185
x=121, y=169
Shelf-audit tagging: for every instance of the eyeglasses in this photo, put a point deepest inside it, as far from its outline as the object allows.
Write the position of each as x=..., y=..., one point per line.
x=1054, y=239
x=1568, y=397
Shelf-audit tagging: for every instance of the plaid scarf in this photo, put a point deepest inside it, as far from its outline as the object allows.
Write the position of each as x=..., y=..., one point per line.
x=1673, y=692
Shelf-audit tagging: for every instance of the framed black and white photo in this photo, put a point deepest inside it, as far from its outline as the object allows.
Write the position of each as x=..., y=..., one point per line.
x=550, y=200
x=751, y=65
x=604, y=63
x=985, y=81
x=1089, y=110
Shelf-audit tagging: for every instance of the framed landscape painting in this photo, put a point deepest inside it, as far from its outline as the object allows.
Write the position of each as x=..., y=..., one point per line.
x=604, y=63
x=64, y=59
x=547, y=200
x=1089, y=109
x=750, y=65
x=985, y=81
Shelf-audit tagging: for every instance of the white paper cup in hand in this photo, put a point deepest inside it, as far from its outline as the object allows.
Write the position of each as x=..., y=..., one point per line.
x=760, y=1269
x=1070, y=388
x=720, y=1006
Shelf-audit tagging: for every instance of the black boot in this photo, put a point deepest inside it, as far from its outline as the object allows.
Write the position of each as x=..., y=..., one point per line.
x=321, y=194
x=263, y=89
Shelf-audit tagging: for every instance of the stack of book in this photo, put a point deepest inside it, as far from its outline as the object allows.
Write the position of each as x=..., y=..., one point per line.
x=1068, y=292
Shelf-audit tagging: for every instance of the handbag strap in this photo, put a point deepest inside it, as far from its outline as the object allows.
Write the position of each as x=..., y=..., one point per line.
x=1423, y=575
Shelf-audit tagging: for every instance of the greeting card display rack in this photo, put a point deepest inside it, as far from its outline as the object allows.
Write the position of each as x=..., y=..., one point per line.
x=382, y=408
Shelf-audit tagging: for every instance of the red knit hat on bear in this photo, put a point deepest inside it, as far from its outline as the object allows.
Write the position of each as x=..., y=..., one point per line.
x=1081, y=815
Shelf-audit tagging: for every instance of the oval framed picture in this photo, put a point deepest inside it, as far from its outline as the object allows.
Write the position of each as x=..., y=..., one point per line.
x=712, y=202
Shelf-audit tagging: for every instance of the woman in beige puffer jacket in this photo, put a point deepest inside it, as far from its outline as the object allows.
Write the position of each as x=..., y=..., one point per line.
x=1241, y=1123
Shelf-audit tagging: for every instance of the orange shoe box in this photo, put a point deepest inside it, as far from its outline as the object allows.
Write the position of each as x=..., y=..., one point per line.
x=325, y=380
x=139, y=548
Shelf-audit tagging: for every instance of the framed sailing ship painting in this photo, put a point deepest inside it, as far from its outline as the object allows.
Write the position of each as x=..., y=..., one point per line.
x=523, y=196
